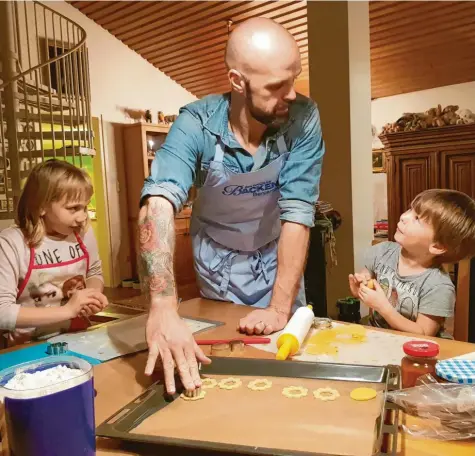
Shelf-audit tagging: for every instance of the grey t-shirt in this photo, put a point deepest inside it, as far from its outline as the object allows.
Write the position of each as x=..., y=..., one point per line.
x=431, y=292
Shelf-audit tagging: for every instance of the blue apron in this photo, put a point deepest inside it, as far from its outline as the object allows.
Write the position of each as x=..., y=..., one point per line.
x=235, y=230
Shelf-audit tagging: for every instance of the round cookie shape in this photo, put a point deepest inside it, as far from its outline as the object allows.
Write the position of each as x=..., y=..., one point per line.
x=208, y=382
x=259, y=384
x=363, y=394
x=294, y=392
x=326, y=394
x=230, y=383
x=193, y=398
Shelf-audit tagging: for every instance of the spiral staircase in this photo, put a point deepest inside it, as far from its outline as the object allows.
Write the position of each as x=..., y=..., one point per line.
x=45, y=109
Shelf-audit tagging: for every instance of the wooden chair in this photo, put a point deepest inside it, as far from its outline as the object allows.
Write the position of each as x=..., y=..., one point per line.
x=462, y=316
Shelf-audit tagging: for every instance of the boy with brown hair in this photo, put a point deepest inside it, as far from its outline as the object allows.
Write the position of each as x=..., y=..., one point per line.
x=412, y=292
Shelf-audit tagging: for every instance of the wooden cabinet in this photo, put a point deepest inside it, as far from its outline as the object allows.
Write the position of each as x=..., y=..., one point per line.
x=458, y=170
x=434, y=158
x=140, y=141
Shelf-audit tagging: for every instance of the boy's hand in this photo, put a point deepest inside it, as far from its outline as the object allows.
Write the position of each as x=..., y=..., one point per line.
x=85, y=302
x=375, y=299
x=354, y=285
x=355, y=281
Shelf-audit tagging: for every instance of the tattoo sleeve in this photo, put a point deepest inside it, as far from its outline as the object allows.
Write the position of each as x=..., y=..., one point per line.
x=156, y=232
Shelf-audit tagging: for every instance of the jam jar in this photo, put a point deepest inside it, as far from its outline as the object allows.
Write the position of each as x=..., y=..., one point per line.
x=420, y=359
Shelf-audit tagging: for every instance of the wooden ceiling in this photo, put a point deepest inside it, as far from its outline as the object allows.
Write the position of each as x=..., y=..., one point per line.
x=421, y=45
x=414, y=45
x=186, y=40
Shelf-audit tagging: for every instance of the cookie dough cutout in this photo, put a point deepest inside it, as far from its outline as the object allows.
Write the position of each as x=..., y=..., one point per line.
x=326, y=394
x=363, y=394
x=294, y=392
x=370, y=284
x=193, y=398
x=259, y=384
x=208, y=383
x=230, y=383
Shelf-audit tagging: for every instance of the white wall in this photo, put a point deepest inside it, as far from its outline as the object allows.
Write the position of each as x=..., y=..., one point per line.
x=360, y=118
x=389, y=109
x=380, y=199
x=120, y=78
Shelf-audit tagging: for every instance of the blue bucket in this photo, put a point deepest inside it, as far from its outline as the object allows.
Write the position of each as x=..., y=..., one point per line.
x=53, y=420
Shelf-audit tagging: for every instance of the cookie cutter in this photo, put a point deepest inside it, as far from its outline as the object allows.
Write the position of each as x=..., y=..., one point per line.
x=224, y=347
x=57, y=348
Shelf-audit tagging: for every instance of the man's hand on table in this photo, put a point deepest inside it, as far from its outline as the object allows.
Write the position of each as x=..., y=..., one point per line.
x=171, y=342
x=263, y=321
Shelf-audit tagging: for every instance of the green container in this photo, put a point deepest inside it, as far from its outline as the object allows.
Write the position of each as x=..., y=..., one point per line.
x=349, y=309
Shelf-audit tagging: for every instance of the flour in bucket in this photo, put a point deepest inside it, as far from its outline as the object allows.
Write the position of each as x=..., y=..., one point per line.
x=49, y=407
x=45, y=378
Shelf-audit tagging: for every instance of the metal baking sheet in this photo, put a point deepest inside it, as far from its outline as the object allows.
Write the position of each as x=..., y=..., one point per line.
x=122, y=423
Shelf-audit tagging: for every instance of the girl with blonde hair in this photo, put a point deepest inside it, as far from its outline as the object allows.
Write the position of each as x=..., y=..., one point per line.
x=51, y=242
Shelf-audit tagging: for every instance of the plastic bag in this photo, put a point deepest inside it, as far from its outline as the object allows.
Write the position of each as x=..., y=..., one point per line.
x=441, y=411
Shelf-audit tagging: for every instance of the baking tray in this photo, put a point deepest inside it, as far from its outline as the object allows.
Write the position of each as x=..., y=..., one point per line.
x=120, y=425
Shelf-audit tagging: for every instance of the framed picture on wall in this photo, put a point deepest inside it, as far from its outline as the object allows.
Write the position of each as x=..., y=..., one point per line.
x=379, y=162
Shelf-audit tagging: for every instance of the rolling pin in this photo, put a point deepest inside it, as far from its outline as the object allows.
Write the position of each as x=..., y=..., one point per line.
x=294, y=333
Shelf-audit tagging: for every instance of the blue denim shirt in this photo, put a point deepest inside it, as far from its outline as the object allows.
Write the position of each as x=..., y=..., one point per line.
x=184, y=157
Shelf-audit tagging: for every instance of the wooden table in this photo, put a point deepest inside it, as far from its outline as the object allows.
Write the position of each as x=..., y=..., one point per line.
x=121, y=380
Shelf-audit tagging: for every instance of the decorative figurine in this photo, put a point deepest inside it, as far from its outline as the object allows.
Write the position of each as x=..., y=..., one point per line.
x=170, y=119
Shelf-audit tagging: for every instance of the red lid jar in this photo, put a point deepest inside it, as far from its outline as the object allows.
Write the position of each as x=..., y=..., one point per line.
x=420, y=359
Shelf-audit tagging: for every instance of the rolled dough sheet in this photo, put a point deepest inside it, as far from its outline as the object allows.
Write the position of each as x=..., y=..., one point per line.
x=268, y=419
x=378, y=348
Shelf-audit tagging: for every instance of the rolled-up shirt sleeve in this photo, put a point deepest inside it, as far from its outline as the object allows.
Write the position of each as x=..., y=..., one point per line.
x=300, y=176
x=174, y=166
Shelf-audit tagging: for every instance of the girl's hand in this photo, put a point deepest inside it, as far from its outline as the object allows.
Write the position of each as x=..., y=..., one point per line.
x=93, y=309
x=85, y=302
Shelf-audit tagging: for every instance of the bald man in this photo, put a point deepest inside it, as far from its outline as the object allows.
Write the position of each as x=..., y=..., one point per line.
x=256, y=155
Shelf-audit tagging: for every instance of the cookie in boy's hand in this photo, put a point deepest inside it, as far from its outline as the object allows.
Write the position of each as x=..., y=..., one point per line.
x=370, y=284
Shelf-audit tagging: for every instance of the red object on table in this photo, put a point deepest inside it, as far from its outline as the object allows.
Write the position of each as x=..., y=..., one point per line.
x=245, y=340
x=420, y=359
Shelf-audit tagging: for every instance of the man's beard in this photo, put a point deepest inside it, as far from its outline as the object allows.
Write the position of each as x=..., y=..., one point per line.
x=270, y=120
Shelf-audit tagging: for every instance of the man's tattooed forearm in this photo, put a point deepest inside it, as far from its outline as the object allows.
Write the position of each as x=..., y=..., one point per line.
x=156, y=233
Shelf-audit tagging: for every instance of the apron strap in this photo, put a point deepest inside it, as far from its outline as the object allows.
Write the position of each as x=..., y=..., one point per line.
x=281, y=145
x=259, y=266
x=84, y=250
x=260, y=157
x=223, y=263
x=261, y=153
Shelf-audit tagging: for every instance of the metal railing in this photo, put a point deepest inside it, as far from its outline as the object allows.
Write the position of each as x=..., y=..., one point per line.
x=44, y=94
